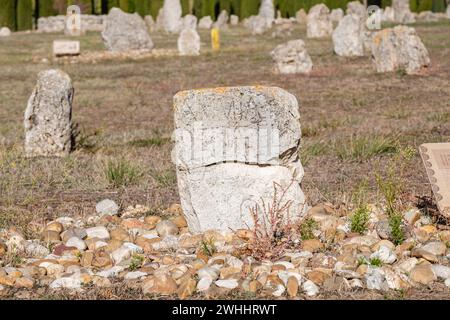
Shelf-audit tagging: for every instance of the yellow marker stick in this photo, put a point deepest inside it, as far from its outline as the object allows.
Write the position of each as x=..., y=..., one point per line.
x=215, y=39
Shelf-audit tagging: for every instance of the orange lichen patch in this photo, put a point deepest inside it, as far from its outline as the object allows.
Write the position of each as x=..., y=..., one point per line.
x=381, y=35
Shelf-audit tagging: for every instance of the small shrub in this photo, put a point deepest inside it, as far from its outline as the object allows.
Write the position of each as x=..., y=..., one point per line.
x=273, y=232
x=136, y=262
x=307, y=229
x=375, y=262
x=208, y=247
x=359, y=220
x=397, y=233
x=121, y=173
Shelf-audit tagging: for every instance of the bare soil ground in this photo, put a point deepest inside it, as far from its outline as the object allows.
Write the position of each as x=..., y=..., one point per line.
x=353, y=120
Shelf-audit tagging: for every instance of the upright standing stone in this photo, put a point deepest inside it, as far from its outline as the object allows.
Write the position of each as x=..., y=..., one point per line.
x=189, y=42
x=234, y=20
x=48, y=117
x=402, y=12
x=125, y=31
x=258, y=24
x=151, y=25
x=205, y=23
x=189, y=22
x=5, y=32
x=448, y=11
x=347, y=37
x=357, y=8
x=222, y=20
x=267, y=9
x=232, y=145
x=388, y=15
x=301, y=16
x=172, y=16
x=160, y=20
x=319, y=24
x=292, y=57
x=399, y=48
x=336, y=15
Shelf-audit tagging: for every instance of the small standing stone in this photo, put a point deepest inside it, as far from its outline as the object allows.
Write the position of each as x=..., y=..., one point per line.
x=125, y=31
x=5, y=32
x=402, y=12
x=347, y=37
x=48, y=117
x=292, y=57
x=336, y=15
x=234, y=20
x=205, y=23
x=189, y=42
x=319, y=24
x=222, y=20
x=189, y=22
x=301, y=16
x=399, y=48
x=172, y=16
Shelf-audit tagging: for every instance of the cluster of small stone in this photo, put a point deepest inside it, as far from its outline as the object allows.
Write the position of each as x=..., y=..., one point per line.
x=163, y=258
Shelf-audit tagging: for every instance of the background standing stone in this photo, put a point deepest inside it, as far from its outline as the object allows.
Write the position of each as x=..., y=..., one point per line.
x=48, y=116
x=318, y=22
x=267, y=9
x=205, y=23
x=218, y=188
x=5, y=32
x=172, y=16
x=189, y=42
x=347, y=37
x=292, y=57
x=125, y=31
x=402, y=12
x=336, y=15
x=399, y=48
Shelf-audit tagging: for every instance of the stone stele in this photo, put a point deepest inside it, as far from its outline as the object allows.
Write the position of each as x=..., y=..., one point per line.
x=233, y=146
x=48, y=116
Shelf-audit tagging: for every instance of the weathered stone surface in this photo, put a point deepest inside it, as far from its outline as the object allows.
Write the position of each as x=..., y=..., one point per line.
x=189, y=42
x=48, y=117
x=319, y=24
x=399, y=48
x=189, y=22
x=267, y=9
x=107, y=207
x=125, y=31
x=347, y=37
x=172, y=16
x=388, y=15
x=448, y=12
x=222, y=20
x=402, y=12
x=301, y=16
x=205, y=23
x=423, y=273
x=5, y=32
x=219, y=185
x=358, y=9
x=258, y=24
x=292, y=57
x=336, y=15
x=234, y=20
x=150, y=22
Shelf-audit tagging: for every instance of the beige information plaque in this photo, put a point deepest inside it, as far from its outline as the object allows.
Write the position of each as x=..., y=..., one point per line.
x=436, y=158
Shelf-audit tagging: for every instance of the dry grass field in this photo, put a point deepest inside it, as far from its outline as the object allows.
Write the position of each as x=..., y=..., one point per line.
x=354, y=121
